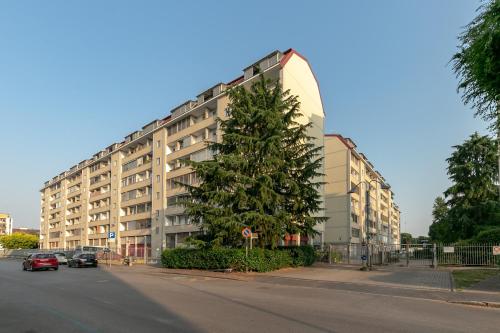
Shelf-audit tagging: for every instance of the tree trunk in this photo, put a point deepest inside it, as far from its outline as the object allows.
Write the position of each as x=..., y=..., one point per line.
x=498, y=146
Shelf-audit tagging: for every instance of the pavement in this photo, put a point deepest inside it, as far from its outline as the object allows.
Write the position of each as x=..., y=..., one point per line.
x=149, y=299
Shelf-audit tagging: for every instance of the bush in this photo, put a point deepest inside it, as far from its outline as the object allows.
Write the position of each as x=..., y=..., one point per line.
x=19, y=241
x=259, y=260
x=301, y=255
x=488, y=236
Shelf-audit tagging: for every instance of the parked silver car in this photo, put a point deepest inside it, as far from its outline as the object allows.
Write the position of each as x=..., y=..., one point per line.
x=61, y=258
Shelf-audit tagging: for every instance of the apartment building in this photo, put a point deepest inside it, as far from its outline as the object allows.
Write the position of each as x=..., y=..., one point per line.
x=130, y=188
x=5, y=224
x=354, y=215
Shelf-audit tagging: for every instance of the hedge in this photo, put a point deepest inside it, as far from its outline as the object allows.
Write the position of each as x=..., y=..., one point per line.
x=259, y=260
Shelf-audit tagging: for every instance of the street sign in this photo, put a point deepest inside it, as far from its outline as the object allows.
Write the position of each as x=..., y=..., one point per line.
x=246, y=232
x=364, y=257
x=111, y=235
x=448, y=249
x=496, y=250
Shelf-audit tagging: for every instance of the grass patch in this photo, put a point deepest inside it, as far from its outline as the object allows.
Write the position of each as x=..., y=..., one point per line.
x=468, y=277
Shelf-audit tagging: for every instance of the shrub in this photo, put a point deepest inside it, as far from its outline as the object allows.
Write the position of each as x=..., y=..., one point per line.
x=301, y=255
x=19, y=241
x=488, y=236
x=259, y=260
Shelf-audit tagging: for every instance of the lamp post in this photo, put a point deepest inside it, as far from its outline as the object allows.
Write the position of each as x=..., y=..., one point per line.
x=366, y=238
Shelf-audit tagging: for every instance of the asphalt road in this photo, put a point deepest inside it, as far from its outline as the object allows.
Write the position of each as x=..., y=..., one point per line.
x=134, y=299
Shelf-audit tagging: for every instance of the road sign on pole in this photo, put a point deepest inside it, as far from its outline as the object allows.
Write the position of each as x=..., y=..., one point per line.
x=246, y=232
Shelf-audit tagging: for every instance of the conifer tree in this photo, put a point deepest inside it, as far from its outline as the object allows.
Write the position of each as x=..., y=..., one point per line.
x=264, y=173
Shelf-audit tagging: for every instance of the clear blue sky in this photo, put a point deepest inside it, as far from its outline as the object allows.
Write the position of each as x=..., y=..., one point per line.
x=69, y=69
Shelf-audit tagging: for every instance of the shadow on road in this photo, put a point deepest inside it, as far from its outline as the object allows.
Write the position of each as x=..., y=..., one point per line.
x=78, y=300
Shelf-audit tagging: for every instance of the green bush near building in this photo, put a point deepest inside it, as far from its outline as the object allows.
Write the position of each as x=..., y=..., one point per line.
x=259, y=260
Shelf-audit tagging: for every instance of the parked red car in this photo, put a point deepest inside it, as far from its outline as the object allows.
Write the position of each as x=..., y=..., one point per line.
x=37, y=261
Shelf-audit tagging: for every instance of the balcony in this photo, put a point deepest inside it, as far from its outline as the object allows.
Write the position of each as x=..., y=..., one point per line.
x=74, y=193
x=73, y=205
x=99, y=196
x=138, y=169
x=137, y=216
x=143, y=151
x=98, y=222
x=136, y=201
x=73, y=215
x=100, y=183
x=136, y=232
x=193, y=128
x=102, y=169
x=187, y=150
x=100, y=209
x=134, y=186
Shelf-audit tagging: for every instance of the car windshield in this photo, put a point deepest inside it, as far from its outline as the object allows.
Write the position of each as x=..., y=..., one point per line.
x=44, y=256
x=59, y=254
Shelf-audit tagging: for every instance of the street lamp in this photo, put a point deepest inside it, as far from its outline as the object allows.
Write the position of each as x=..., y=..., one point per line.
x=366, y=239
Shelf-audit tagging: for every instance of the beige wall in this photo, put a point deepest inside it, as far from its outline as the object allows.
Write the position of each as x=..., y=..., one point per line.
x=342, y=209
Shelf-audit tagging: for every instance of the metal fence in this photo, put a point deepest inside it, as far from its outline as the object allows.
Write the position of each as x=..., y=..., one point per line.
x=414, y=254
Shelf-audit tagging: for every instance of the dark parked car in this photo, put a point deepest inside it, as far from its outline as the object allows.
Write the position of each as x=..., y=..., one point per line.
x=36, y=261
x=83, y=260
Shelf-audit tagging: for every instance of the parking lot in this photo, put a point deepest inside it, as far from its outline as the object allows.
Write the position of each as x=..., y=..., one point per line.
x=145, y=299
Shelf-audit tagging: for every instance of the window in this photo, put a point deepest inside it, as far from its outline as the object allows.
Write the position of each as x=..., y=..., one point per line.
x=355, y=232
x=157, y=178
x=158, y=161
x=157, y=195
x=158, y=144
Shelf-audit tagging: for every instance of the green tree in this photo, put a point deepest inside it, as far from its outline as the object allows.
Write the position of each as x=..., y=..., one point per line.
x=19, y=241
x=264, y=174
x=477, y=63
x=406, y=238
x=471, y=202
x=473, y=170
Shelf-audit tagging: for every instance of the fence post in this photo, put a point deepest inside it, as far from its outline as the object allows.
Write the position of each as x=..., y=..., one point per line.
x=330, y=254
x=434, y=256
x=348, y=253
x=407, y=254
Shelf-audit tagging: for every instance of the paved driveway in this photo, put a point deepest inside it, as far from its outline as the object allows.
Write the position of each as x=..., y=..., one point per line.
x=411, y=277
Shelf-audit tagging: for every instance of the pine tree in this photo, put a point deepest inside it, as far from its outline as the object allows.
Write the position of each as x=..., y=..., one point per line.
x=264, y=173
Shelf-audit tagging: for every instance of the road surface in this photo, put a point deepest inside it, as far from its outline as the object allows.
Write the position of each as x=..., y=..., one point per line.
x=134, y=299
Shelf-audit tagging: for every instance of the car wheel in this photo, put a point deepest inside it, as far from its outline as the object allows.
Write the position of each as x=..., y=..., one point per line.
x=56, y=268
x=24, y=268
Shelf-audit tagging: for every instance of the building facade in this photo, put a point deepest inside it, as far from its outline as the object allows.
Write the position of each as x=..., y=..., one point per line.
x=5, y=224
x=130, y=188
x=352, y=214
x=24, y=230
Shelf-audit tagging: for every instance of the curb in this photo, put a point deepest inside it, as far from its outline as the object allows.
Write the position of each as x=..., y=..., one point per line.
x=478, y=303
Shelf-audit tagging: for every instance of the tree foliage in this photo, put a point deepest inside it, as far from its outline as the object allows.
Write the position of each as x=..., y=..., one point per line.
x=470, y=205
x=477, y=63
x=264, y=173
x=19, y=241
x=406, y=238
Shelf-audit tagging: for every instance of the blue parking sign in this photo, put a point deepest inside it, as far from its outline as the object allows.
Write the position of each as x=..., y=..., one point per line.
x=111, y=235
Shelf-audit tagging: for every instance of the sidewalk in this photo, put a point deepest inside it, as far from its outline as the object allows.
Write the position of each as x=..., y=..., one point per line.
x=405, y=277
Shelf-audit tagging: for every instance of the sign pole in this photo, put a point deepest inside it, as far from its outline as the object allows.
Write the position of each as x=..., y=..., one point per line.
x=246, y=255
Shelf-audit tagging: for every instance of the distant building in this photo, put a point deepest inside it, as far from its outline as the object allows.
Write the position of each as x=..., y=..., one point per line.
x=30, y=231
x=5, y=224
x=349, y=177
